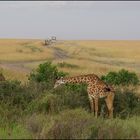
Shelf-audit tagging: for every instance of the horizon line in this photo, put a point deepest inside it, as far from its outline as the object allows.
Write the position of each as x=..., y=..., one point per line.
x=71, y=39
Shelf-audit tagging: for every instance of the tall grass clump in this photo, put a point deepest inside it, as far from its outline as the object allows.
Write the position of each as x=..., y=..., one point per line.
x=80, y=124
x=116, y=128
x=15, y=131
x=34, y=48
x=67, y=65
x=68, y=124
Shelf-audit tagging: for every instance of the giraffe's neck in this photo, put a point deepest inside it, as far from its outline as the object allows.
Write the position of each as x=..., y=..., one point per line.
x=78, y=79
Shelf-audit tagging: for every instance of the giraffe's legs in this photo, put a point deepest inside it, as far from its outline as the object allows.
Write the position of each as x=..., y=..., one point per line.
x=96, y=107
x=91, y=103
x=109, y=102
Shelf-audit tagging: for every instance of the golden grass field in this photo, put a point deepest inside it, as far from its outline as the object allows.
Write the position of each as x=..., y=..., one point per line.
x=19, y=57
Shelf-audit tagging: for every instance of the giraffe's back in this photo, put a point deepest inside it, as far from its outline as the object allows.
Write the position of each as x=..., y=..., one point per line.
x=98, y=88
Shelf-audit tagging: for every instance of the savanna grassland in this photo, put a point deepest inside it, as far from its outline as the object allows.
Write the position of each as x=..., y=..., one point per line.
x=31, y=109
x=97, y=57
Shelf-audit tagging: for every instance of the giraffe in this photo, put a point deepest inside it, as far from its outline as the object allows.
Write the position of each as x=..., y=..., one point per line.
x=96, y=89
x=2, y=78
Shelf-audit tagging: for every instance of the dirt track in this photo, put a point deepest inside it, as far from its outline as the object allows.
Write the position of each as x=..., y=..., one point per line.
x=60, y=54
x=20, y=66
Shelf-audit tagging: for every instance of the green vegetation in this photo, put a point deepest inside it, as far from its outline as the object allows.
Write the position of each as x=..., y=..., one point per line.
x=123, y=77
x=34, y=49
x=36, y=110
x=67, y=65
x=47, y=73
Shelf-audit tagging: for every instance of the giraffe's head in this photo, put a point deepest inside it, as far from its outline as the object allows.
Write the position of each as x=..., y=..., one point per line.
x=59, y=82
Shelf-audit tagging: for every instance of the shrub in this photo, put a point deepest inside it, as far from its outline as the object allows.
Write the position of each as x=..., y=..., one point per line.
x=8, y=89
x=126, y=104
x=62, y=98
x=73, y=96
x=67, y=65
x=13, y=93
x=123, y=77
x=47, y=103
x=14, y=98
x=47, y=73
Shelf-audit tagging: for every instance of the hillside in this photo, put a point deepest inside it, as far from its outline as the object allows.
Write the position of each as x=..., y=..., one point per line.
x=19, y=57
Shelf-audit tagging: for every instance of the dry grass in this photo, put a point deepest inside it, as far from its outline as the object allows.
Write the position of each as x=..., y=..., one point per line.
x=97, y=57
x=103, y=56
x=23, y=50
x=11, y=74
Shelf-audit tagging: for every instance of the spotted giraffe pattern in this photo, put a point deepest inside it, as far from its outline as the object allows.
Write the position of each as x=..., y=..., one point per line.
x=96, y=89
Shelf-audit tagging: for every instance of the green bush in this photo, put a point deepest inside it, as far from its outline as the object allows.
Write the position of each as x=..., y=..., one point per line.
x=33, y=97
x=54, y=101
x=49, y=104
x=123, y=77
x=15, y=94
x=47, y=73
x=126, y=104
x=15, y=98
x=73, y=96
x=126, y=101
x=8, y=90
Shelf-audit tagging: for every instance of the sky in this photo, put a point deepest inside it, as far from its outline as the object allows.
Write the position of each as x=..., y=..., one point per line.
x=70, y=20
